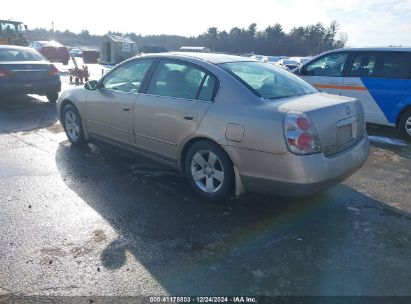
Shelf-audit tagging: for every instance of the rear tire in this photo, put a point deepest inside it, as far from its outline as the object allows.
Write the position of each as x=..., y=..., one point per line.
x=404, y=125
x=52, y=97
x=209, y=171
x=72, y=124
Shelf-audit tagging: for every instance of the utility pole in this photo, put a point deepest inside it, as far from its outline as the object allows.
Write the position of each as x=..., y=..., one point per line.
x=52, y=27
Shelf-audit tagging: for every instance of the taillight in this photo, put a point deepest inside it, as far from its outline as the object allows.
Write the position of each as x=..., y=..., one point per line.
x=300, y=134
x=53, y=71
x=3, y=73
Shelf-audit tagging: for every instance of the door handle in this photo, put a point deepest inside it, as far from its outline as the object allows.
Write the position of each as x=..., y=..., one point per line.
x=127, y=109
x=352, y=84
x=190, y=116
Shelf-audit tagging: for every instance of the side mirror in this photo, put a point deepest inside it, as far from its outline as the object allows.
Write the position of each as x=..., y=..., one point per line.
x=297, y=71
x=25, y=27
x=91, y=85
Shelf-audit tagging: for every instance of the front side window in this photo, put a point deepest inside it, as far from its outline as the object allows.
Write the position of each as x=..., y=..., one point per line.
x=9, y=27
x=331, y=65
x=392, y=65
x=128, y=77
x=181, y=80
x=268, y=81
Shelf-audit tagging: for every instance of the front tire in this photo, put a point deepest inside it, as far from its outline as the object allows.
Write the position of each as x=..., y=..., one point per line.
x=52, y=97
x=404, y=125
x=209, y=171
x=72, y=124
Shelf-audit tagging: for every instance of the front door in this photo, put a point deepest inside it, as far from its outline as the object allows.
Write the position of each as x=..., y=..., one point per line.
x=176, y=100
x=109, y=109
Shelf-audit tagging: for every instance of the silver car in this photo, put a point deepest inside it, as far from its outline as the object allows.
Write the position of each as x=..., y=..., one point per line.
x=231, y=124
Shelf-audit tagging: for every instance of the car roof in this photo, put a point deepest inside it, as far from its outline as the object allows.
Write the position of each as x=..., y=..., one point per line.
x=393, y=49
x=213, y=58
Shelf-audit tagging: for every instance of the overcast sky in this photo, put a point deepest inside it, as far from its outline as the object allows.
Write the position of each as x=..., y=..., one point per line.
x=367, y=22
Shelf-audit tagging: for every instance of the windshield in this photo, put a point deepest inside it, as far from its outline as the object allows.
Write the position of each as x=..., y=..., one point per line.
x=10, y=27
x=20, y=55
x=267, y=81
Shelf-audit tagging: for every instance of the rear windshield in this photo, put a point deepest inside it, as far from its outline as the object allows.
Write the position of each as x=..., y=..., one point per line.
x=268, y=81
x=20, y=55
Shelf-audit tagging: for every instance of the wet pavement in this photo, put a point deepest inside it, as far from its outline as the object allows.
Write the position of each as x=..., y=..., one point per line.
x=96, y=221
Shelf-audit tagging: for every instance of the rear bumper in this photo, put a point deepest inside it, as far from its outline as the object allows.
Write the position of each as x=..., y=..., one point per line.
x=297, y=176
x=37, y=87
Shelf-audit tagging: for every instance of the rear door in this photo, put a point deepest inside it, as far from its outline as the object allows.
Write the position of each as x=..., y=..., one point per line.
x=379, y=79
x=176, y=99
x=326, y=73
x=109, y=109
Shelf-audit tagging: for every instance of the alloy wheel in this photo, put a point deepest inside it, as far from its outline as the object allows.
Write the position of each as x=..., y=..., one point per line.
x=407, y=126
x=72, y=125
x=207, y=171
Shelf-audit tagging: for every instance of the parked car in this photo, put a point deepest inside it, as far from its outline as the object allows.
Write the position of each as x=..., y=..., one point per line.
x=287, y=64
x=378, y=77
x=24, y=71
x=271, y=59
x=230, y=123
x=52, y=50
x=257, y=57
x=75, y=52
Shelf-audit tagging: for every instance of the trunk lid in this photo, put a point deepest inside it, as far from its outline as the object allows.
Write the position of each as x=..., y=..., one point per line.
x=339, y=121
x=26, y=71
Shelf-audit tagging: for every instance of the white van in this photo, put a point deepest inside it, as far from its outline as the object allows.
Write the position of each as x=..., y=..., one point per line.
x=378, y=77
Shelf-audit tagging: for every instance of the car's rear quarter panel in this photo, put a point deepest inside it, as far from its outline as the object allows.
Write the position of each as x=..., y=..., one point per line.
x=237, y=105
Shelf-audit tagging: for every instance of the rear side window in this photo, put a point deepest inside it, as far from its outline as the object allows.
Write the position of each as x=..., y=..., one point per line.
x=392, y=65
x=363, y=65
x=208, y=89
x=331, y=65
x=181, y=80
